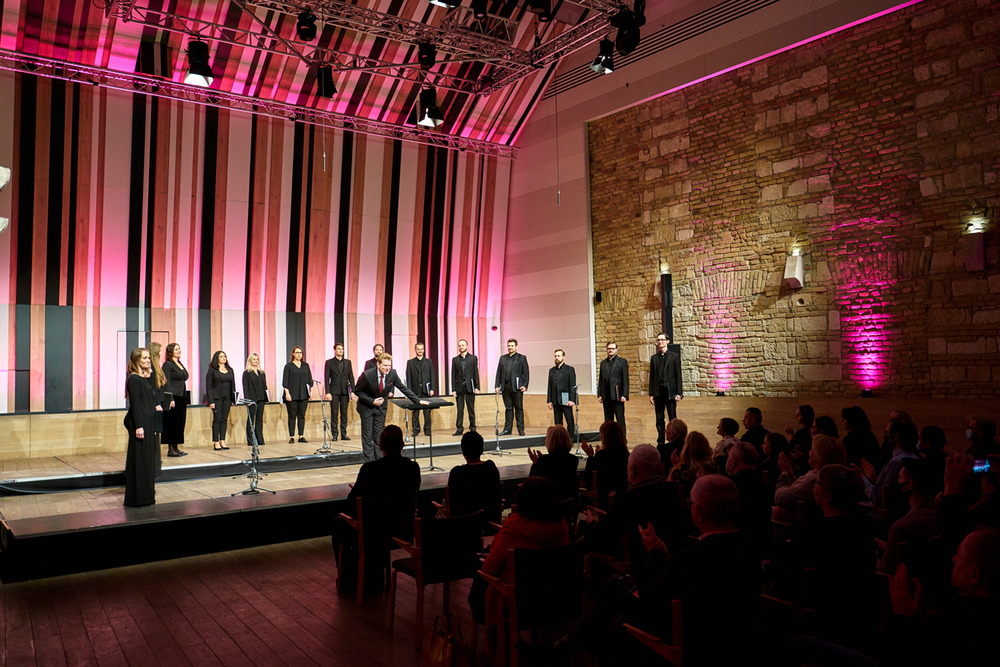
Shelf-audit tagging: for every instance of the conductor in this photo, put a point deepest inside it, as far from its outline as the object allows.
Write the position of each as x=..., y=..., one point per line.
x=374, y=388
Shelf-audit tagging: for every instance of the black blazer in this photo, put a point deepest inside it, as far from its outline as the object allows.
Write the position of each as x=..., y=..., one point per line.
x=560, y=468
x=515, y=368
x=367, y=391
x=298, y=381
x=176, y=378
x=215, y=385
x=460, y=383
x=613, y=376
x=665, y=371
x=255, y=386
x=338, y=376
x=371, y=363
x=420, y=372
x=561, y=381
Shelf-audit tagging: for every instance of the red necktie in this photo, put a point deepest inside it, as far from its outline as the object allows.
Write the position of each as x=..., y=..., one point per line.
x=380, y=388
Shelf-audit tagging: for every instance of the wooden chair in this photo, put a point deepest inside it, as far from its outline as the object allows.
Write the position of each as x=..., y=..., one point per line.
x=674, y=652
x=375, y=541
x=459, y=502
x=622, y=565
x=443, y=551
x=545, y=591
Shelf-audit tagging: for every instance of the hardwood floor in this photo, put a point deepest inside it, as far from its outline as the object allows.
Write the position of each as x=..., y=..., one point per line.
x=271, y=605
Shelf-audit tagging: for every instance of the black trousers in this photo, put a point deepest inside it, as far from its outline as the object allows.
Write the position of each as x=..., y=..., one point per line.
x=296, y=415
x=220, y=419
x=513, y=401
x=371, y=434
x=614, y=411
x=255, y=423
x=463, y=400
x=416, y=421
x=339, y=404
x=659, y=403
x=558, y=412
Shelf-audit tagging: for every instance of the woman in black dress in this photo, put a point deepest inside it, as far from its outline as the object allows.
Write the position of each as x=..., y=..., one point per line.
x=157, y=383
x=255, y=389
x=220, y=386
x=140, y=459
x=297, y=381
x=175, y=419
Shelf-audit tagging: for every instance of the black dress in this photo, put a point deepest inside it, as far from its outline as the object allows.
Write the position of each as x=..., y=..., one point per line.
x=255, y=389
x=159, y=398
x=175, y=419
x=140, y=460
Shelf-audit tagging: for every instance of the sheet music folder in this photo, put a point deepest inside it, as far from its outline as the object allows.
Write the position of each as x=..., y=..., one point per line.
x=435, y=403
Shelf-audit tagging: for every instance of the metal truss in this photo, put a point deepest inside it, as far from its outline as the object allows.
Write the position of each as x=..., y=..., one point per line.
x=147, y=85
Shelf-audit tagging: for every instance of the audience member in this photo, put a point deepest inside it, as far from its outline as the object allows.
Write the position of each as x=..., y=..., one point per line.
x=896, y=415
x=824, y=425
x=982, y=438
x=774, y=446
x=916, y=528
x=694, y=460
x=932, y=444
x=752, y=420
x=472, y=484
x=559, y=466
x=903, y=437
x=859, y=441
x=728, y=428
x=791, y=490
x=675, y=433
x=610, y=462
x=799, y=435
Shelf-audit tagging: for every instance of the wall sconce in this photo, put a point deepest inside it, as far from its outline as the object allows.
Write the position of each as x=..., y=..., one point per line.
x=794, y=273
x=972, y=251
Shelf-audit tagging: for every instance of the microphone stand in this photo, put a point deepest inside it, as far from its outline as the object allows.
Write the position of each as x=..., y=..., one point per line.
x=576, y=425
x=325, y=449
x=253, y=475
x=496, y=427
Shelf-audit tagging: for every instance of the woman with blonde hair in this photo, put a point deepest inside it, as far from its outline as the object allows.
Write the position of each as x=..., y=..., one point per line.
x=175, y=419
x=559, y=466
x=696, y=459
x=140, y=458
x=157, y=382
x=255, y=389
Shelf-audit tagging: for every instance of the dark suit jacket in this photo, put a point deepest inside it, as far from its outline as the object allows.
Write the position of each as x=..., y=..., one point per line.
x=255, y=386
x=649, y=501
x=460, y=384
x=561, y=381
x=214, y=385
x=755, y=436
x=515, y=368
x=338, y=376
x=389, y=486
x=371, y=363
x=176, y=378
x=367, y=391
x=665, y=370
x=420, y=372
x=613, y=374
x=560, y=468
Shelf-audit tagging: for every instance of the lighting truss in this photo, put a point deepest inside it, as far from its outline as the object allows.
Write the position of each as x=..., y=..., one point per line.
x=147, y=85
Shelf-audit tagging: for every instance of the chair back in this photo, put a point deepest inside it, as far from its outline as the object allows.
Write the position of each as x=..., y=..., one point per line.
x=450, y=547
x=387, y=516
x=548, y=584
x=464, y=500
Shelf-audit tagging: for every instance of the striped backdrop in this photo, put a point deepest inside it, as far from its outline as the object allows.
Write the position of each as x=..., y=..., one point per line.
x=135, y=218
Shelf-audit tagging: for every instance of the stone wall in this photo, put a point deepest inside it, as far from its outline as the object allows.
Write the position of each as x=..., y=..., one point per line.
x=871, y=152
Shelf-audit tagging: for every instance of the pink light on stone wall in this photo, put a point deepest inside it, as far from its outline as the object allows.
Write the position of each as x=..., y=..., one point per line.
x=721, y=350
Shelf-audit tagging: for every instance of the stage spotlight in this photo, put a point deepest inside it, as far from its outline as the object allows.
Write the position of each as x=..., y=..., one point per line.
x=428, y=113
x=604, y=63
x=199, y=73
x=479, y=9
x=426, y=55
x=446, y=3
x=306, y=26
x=543, y=8
x=628, y=22
x=324, y=81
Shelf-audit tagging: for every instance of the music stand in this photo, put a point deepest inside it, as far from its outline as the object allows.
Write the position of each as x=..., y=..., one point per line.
x=496, y=427
x=326, y=448
x=434, y=402
x=253, y=475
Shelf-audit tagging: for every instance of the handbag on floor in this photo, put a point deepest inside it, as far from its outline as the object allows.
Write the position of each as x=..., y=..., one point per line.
x=444, y=646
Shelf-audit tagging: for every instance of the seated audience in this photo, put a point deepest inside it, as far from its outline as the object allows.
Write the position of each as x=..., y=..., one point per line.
x=538, y=524
x=741, y=467
x=675, y=433
x=896, y=415
x=916, y=528
x=903, y=436
x=774, y=446
x=799, y=435
x=932, y=444
x=982, y=438
x=859, y=441
x=728, y=428
x=694, y=460
x=470, y=484
x=791, y=490
x=559, y=466
x=388, y=486
x=610, y=462
x=824, y=425
x=752, y=420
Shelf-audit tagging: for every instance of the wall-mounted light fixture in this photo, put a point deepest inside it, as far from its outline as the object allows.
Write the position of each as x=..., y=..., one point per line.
x=794, y=271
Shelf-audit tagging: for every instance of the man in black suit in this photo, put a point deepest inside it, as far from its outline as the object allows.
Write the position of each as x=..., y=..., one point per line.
x=465, y=384
x=374, y=389
x=512, y=381
x=373, y=362
x=755, y=431
x=421, y=378
x=339, y=380
x=562, y=395
x=612, y=386
x=664, y=384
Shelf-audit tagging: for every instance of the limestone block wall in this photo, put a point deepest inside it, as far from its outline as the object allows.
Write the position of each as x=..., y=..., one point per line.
x=872, y=152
